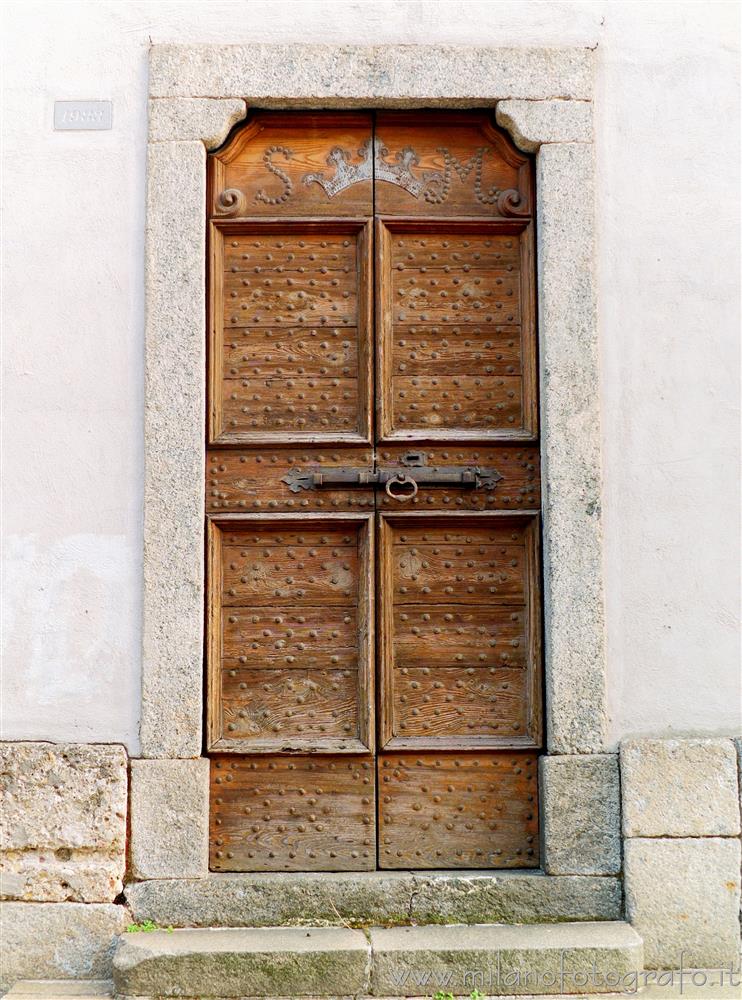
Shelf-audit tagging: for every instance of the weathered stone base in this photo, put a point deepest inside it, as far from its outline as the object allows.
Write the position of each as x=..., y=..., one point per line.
x=388, y=962
x=169, y=818
x=63, y=875
x=63, y=822
x=59, y=940
x=681, y=822
x=680, y=788
x=683, y=897
x=364, y=898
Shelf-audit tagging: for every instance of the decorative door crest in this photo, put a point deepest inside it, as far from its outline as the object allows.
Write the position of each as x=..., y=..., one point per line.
x=433, y=186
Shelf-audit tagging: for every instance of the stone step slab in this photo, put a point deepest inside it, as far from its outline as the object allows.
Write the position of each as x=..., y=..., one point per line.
x=697, y=984
x=244, y=962
x=496, y=959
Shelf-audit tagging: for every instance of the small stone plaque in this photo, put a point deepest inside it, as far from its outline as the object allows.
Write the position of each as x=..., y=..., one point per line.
x=83, y=115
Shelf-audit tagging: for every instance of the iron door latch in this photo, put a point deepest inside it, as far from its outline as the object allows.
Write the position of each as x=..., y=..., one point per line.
x=401, y=484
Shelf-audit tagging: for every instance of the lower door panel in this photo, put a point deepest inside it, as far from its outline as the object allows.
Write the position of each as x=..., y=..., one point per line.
x=293, y=813
x=462, y=810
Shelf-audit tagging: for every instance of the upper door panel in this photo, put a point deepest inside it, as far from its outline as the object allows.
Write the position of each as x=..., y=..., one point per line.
x=457, y=349
x=291, y=354
x=448, y=165
x=295, y=164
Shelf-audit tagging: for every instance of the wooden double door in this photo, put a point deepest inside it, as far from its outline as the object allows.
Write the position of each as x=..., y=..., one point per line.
x=373, y=616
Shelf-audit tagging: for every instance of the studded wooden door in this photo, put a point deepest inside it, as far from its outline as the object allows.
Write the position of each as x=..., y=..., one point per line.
x=373, y=616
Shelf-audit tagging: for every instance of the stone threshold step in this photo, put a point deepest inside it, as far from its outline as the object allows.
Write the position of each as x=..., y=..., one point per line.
x=704, y=988
x=61, y=989
x=364, y=899
x=496, y=959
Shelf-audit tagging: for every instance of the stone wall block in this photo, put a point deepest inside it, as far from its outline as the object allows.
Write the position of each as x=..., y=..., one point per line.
x=581, y=815
x=571, y=453
x=533, y=123
x=174, y=406
x=680, y=788
x=683, y=896
x=169, y=818
x=59, y=940
x=199, y=118
x=63, y=821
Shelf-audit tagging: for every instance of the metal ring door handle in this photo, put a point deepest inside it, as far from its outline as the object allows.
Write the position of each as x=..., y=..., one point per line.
x=401, y=488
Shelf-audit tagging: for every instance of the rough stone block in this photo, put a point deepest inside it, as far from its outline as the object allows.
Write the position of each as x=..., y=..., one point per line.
x=264, y=961
x=367, y=75
x=63, y=821
x=175, y=397
x=201, y=118
x=679, y=788
x=496, y=959
x=683, y=897
x=169, y=818
x=532, y=123
x=59, y=940
x=366, y=898
x=570, y=407
x=581, y=814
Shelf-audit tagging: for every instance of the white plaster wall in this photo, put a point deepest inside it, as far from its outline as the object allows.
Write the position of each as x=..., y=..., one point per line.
x=667, y=144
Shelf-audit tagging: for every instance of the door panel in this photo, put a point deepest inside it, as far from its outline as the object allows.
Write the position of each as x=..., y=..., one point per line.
x=467, y=810
x=456, y=321
x=373, y=495
x=254, y=479
x=291, y=352
x=440, y=704
x=293, y=814
x=291, y=634
x=459, y=632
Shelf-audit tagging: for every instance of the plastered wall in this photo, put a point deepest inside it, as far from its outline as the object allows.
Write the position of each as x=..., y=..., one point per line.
x=668, y=151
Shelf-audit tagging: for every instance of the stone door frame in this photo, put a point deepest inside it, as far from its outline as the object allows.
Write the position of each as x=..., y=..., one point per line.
x=543, y=98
